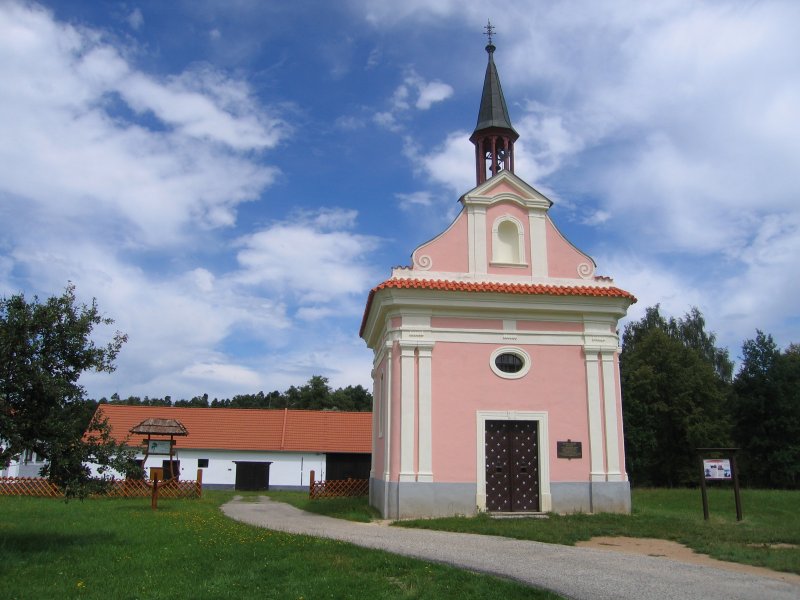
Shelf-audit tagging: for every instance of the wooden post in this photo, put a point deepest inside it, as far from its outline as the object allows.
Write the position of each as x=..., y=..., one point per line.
x=737, y=497
x=311, y=478
x=154, y=496
x=703, y=488
x=199, y=483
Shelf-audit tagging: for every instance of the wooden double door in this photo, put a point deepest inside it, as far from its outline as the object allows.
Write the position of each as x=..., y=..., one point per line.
x=512, y=466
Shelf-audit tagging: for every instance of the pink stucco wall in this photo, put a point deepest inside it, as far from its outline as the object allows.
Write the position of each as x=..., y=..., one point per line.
x=504, y=188
x=448, y=251
x=549, y=326
x=463, y=383
x=465, y=323
x=562, y=257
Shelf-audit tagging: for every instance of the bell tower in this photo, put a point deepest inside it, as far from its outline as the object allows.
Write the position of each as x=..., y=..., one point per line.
x=494, y=136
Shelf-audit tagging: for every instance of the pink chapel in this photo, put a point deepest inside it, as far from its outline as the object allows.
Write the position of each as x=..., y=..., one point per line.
x=495, y=372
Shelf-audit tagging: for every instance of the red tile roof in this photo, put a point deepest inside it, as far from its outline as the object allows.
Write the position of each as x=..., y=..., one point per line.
x=251, y=429
x=536, y=289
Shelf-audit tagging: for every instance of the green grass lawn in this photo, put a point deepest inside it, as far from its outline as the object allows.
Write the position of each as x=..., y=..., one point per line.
x=770, y=517
x=104, y=548
x=352, y=509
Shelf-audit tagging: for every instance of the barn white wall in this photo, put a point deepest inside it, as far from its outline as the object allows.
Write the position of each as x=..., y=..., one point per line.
x=288, y=469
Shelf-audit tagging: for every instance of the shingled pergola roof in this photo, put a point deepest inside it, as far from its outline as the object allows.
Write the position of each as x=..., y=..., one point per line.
x=160, y=427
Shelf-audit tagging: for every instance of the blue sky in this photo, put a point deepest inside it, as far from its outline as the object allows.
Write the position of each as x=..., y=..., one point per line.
x=229, y=179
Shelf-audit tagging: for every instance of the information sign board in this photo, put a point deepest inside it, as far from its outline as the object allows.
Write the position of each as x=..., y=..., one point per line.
x=158, y=446
x=717, y=468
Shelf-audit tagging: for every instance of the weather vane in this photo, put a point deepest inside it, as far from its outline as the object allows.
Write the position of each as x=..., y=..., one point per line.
x=489, y=30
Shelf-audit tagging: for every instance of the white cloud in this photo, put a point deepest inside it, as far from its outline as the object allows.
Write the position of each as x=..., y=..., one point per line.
x=414, y=91
x=415, y=199
x=62, y=113
x=332, y=218
x=448, y=163
x=432, y=92
x=307, y=259
x=136, y=19
x=597, y=217
x=232, y=376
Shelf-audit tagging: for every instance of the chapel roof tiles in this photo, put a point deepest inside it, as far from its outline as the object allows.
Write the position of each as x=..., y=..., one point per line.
x=536, y=289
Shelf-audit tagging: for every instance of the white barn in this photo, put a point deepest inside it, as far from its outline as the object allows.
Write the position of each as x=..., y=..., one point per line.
x=235, y=448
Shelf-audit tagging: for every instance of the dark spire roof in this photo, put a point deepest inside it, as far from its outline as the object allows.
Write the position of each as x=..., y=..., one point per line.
x=493, y=111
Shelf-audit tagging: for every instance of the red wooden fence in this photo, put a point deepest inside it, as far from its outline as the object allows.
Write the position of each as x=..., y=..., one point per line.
x=337, y=488
x=119, y=488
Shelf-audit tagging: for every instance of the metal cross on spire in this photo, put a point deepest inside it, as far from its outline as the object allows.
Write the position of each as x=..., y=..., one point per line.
x=489, y=30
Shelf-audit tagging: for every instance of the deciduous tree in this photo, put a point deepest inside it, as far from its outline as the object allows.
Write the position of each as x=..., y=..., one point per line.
x=766, y=407
x=674, y=386
x=44, y=349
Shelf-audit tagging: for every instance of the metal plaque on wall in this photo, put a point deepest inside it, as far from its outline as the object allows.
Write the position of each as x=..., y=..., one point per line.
x=569, y=449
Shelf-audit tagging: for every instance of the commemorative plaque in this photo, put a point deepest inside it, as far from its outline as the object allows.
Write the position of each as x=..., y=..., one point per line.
x=569, y=449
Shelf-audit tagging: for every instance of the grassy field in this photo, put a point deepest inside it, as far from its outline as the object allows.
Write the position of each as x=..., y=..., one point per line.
x=771, y=519
x=122, y=549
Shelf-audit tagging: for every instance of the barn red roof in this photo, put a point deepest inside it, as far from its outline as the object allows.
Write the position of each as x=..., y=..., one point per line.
x=251, y=429
x=537, y=289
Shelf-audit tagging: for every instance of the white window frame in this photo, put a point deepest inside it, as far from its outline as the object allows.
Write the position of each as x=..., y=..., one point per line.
x=526, y=362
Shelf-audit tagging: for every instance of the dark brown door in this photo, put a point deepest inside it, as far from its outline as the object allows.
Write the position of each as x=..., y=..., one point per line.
x=252, y=476
x=512, y=466
x=172, y=470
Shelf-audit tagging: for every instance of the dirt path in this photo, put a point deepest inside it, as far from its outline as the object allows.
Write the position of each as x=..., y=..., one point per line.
x=676, y=551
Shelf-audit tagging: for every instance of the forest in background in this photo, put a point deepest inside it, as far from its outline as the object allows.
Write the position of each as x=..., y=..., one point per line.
x=679, y=393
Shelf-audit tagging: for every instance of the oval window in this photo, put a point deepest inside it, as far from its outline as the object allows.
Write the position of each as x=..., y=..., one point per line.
x=509, y=363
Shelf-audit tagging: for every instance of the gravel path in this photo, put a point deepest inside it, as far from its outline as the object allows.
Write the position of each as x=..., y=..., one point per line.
x=579, y=573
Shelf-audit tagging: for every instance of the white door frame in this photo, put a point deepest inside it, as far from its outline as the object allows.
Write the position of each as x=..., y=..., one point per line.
x=545, y=500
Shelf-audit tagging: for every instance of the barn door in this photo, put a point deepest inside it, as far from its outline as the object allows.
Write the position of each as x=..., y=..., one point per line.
x=252, y=476
x=512, y=466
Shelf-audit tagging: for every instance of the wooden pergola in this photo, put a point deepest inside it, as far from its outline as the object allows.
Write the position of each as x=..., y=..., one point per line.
x=160, y=427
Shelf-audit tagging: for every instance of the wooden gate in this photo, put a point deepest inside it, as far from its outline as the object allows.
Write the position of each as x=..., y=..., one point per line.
x=512, y=466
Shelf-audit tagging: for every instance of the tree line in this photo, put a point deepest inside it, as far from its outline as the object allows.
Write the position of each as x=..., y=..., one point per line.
x=680, y=393
x=316, y=394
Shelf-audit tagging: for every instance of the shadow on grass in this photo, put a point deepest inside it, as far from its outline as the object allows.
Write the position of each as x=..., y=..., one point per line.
x=17, y=543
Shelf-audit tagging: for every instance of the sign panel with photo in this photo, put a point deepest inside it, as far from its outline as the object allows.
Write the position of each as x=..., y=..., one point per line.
x=158, y=446
x=717, y=468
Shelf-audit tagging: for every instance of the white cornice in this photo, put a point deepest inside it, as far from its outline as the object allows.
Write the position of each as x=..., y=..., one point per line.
x=598, y=310
x=526, y=194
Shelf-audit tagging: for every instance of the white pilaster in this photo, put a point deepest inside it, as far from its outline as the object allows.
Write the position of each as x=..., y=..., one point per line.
x=537, y=222
x=407, y=398
x=376, y=419
x=597, y=472
x=479, y=221
x=425, y=473
x=612, y=426
x=387, y=439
